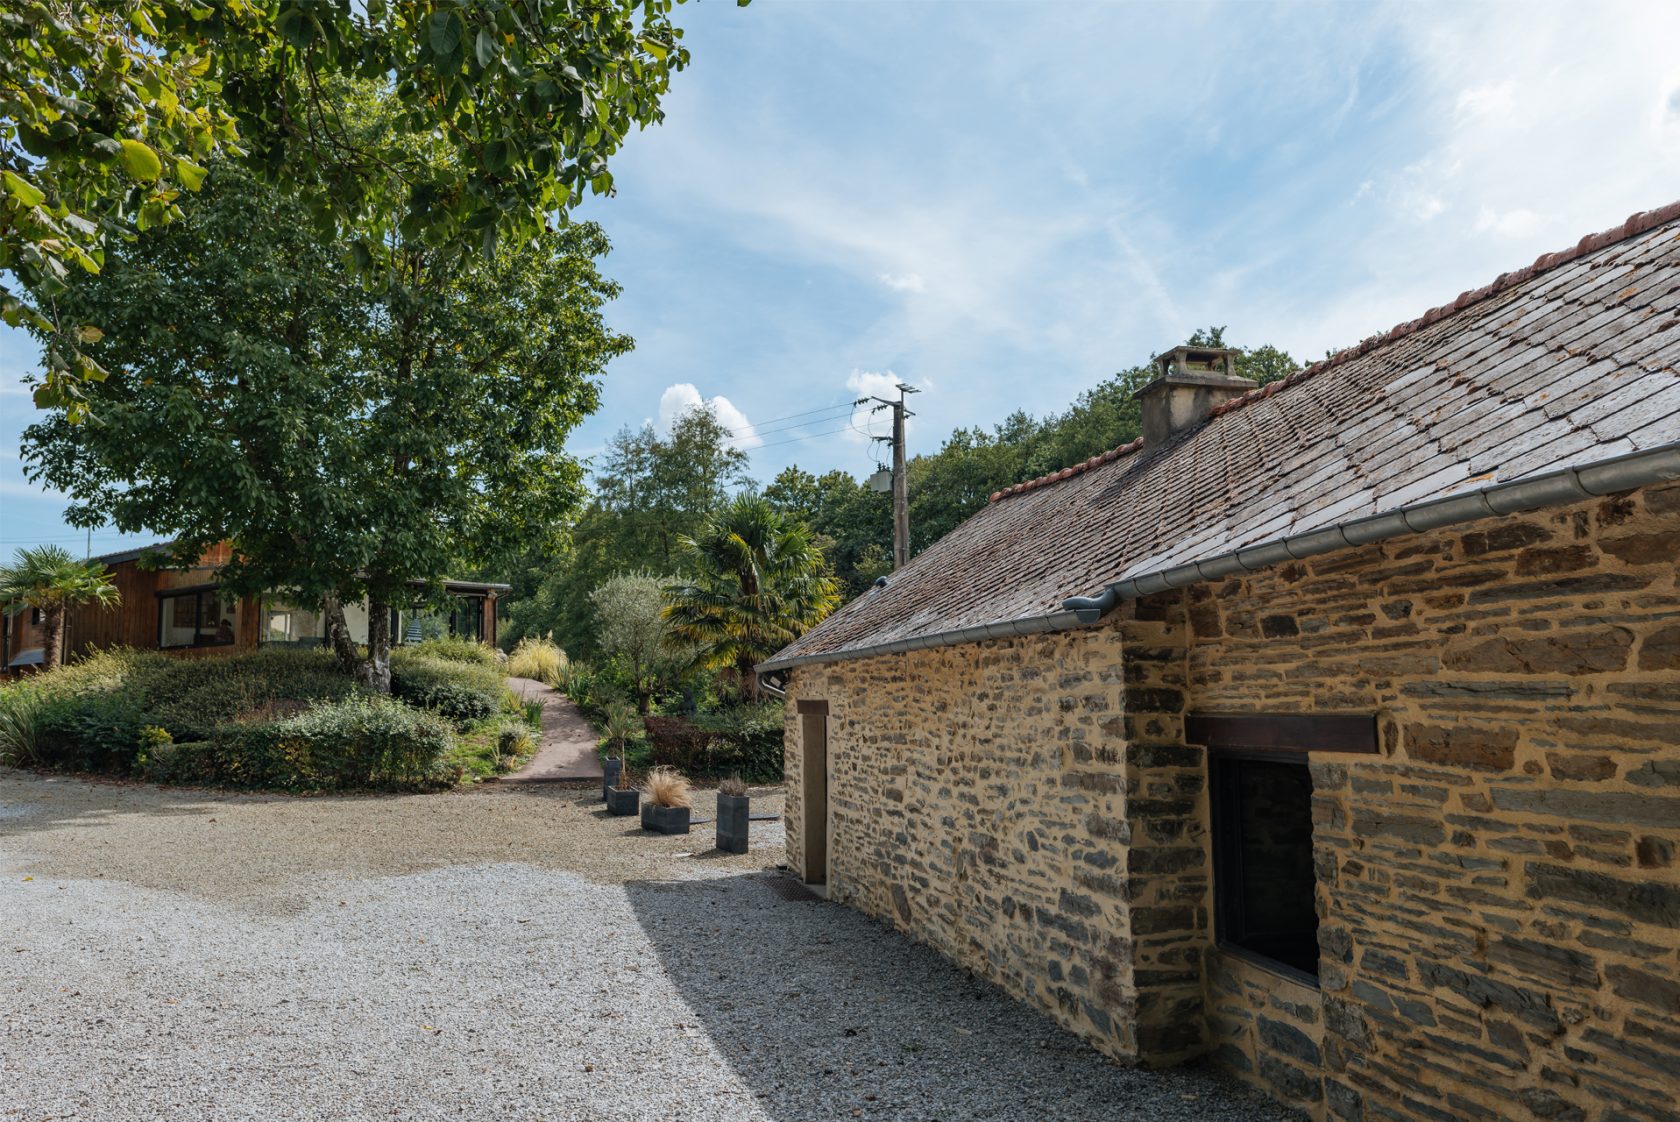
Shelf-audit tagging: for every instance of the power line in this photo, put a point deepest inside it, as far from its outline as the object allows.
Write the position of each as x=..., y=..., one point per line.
x=820, y=409
x=797, y=439
x=848, y=410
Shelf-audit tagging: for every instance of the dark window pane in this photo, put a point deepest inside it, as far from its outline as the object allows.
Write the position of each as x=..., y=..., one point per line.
x=1263, y=867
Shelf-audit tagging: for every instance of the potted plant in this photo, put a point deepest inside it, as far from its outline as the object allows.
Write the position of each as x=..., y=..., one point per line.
x=669, y=801
x=733, y=806
x=622, y=724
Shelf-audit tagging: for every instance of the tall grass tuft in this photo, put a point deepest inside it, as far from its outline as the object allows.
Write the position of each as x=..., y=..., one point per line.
x=666, y=786
x=21, y=708
x=537, y=658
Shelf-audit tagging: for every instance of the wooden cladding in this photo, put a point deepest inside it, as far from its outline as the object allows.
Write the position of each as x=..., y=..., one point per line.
x=813, y=708
x=1284, y=732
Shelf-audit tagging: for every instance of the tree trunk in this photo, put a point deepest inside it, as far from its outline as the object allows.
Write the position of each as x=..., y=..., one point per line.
x=373, y=670
x=52, y=635
x=749, y=679
x=338, y=637
x=379, y=646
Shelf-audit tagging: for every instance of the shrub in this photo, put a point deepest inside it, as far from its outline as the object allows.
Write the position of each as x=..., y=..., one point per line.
x=192, y=697
x=744, y=738
x=90, y=732
x=466, y=693
x=355, y=743
x=514, y=740
x=452, y=648
x=537, y=658
x=666, y=786
x=21, y=707
x=594, y=689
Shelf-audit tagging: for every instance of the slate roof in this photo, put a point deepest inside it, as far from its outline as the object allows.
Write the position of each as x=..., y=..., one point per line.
x=1569, y=361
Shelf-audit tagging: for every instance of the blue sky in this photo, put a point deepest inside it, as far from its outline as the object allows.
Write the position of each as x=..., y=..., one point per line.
x=1004, y=203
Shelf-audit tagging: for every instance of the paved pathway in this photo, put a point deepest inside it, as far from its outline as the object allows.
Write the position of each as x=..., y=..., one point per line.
x=567, y=747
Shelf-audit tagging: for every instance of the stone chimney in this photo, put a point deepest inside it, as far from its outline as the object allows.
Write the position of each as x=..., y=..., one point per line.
x=1192, y=380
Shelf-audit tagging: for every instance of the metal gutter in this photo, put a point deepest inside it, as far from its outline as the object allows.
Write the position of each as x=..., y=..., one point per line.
x=1555, y=488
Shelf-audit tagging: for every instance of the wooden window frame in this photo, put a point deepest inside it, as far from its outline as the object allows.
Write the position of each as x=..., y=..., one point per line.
x=1229, y=868
x=1286, y=733
x=1282, y=738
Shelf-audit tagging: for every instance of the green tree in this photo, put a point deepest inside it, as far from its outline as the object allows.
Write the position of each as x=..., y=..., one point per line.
x=108, y=111
x=851, y=524
x=49, y=579
x=759, y=583
x=630, y=627
x=650, y=489
x=352, y=442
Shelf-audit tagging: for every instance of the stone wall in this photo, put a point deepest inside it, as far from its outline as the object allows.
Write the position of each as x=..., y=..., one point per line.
x=1499, y=902
x=976, y=799
x=1498, y=893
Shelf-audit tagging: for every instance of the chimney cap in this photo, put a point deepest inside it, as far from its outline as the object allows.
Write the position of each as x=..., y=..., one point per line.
x=1188, y=359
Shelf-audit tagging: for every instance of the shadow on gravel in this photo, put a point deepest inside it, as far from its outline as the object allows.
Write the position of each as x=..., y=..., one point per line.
x=827, y=1014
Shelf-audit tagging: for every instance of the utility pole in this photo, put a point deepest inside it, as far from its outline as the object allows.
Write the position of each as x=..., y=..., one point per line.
x=900, y=480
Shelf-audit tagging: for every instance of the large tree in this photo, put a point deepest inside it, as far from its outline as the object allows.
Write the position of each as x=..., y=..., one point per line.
x=352, y=441
x=758, y=583
x=109, y=110
x=650, y=489
x=51, y=581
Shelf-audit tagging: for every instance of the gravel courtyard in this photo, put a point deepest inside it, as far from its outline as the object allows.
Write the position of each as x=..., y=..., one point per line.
x=499, y=953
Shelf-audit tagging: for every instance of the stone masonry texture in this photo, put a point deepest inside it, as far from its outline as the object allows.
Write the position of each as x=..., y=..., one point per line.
x=1498, y=888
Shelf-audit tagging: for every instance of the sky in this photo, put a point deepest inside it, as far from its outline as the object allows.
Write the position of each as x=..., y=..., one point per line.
x=1001, y=204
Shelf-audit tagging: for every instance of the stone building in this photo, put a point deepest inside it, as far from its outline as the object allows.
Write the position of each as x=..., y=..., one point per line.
x=1331, y=730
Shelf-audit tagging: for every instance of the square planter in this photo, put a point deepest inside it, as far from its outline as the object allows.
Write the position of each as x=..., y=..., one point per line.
x=623, y=803
x=732, y=811
x=665, y=819
x=610, y=771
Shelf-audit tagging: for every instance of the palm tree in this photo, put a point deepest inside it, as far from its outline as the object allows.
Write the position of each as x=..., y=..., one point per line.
x=760, y=581
x=48, y=578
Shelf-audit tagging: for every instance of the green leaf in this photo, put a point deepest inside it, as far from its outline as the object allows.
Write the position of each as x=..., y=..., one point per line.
x=296, y=28
x=22, y=190
x=89, y=334
x=445, y=34
x=153, y=212
x=140, y=161
x=654, y=48
x=190, y=174
x=485, y=47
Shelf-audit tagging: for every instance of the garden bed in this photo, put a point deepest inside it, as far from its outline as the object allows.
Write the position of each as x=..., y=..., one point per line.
x=274, y=719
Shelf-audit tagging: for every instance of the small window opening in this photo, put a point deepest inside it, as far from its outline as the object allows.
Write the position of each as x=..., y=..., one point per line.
x=1263, y=872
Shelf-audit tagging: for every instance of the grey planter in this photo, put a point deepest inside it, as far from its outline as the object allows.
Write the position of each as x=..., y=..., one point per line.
x=732, y=814
x=610, y=770
x=665, y=819
x=623, y=803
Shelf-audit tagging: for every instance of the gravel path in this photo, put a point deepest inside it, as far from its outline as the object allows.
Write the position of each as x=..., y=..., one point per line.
x=499, y=953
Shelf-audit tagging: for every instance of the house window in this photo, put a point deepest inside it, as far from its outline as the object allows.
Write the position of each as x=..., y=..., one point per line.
x=293, y=625
x=1261, y=794
x=1263, y=875
x=466, y=620
x=196, y=618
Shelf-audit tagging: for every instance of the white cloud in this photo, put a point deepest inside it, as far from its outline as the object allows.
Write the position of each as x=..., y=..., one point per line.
x=1496, y=99
x=904, y=282
x=684, y=397
x=866, y=421
x=1510, y=224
